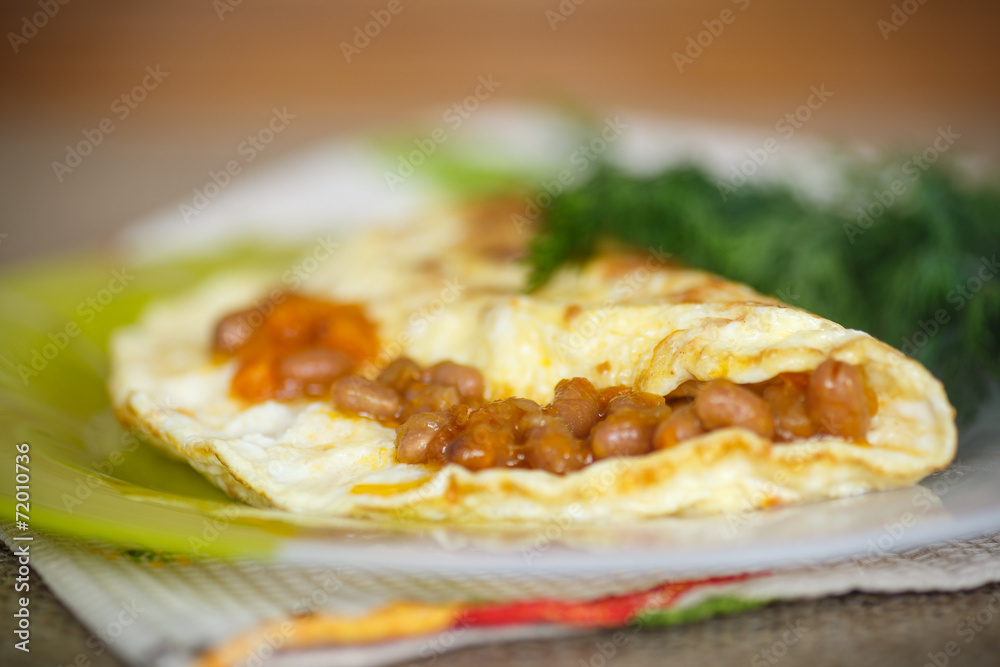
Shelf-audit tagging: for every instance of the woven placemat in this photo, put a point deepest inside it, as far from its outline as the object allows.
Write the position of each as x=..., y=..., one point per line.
x=857, y=629
x=173, y=623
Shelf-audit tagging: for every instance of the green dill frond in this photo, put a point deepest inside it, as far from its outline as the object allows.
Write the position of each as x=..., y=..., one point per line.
x=917, y=273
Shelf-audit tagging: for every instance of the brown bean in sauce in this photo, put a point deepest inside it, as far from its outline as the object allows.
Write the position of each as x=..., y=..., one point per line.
x=576, y=403
x=608, y=394
x=550, y=446
x=682, y=425
x=626, y=432
x=467, y=451
x=365, y=397
x=466, y=379
x=582, y=424
x=721, y=404
x=791, y=414
x=420, y=397
x=416, y=438
x=307, y=347
x=232, y=331
x=315, y=369
x=636, y=400
x=837, y=400
x=400, y=374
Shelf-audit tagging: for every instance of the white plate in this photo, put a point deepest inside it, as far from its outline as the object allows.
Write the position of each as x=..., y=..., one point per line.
x=342, y=184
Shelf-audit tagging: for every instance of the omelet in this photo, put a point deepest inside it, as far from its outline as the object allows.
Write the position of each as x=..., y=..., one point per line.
x=448, y=288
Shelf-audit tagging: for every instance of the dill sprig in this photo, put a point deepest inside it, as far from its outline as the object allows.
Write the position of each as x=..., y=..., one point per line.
x=919, y=273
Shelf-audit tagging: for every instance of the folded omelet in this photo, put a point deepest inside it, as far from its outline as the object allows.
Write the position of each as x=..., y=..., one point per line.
x=449, y=289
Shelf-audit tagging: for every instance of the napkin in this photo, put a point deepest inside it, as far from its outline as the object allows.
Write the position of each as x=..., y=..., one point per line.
x=162, y=609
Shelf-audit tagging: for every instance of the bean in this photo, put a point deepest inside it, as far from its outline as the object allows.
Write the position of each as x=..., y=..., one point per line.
x=524, y=418
x=315, y=369
x=579, y=414
x=231, y=332
x=576, y=388
x=512, y=455
x=400, y=374
x=628, y=432
x=687, y=389
x=678, y=403
x=495, y=414
x=466, y=379
x=420, y=397
x=550, y=446
x=682, y=425
x=517, y=413
x=357, y=394
x=460, y=415
x=837, y=400
x=722, y=404
x=526, y=405
x=606, y=395
x=576, y=404
x=637, y=400
x=466, y=451
x=791, y=414
x=416, y=436
x=498, y=441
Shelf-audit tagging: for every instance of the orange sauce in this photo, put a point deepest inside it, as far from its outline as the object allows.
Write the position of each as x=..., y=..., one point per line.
x=298, y=323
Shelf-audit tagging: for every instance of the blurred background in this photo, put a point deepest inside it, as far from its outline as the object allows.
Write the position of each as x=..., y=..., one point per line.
x=183, y=82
